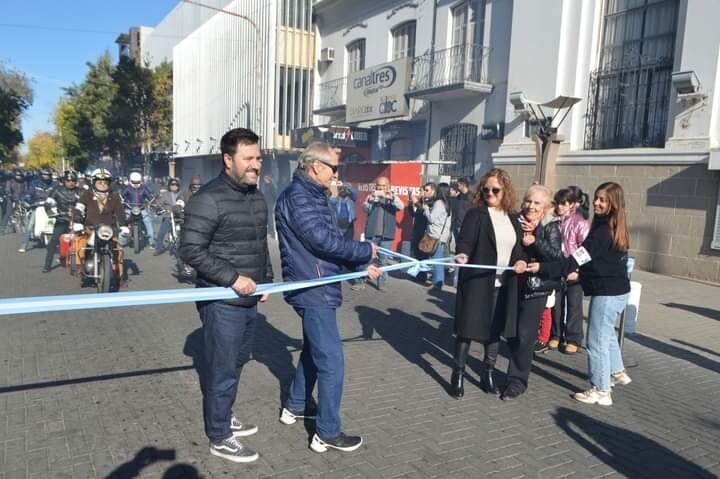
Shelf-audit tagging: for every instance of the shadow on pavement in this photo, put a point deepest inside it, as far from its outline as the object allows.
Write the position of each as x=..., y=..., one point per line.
x=694, y=346
x=631, y=454
x=150, y=455
x=675, y=352
x=699, y=310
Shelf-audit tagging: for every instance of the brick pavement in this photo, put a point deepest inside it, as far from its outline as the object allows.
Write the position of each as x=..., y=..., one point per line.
x=91, y=393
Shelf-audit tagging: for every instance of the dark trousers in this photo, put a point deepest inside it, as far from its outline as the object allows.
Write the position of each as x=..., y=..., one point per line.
x=568, y=314
x=5, y=210
x=521, y=346
x=322, y=362
x=162, y=231
x=492, y=347
x=228, y=335
x=61, y=227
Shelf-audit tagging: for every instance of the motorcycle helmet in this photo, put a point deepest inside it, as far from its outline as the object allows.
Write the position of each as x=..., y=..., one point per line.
x=19, y=175
x=173, y=181
x=135, y=179
x=70, y=175
x=101, y=174
x=195, y=183
x=45, y=175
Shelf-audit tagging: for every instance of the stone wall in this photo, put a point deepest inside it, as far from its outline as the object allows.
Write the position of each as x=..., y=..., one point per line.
x=671, y=211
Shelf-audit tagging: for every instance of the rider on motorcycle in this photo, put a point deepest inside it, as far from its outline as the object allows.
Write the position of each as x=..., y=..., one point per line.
x=37, y=191
x=168, y=201
x=138, y=194
x=63, y=197
x=101, y=206
x=14, y=192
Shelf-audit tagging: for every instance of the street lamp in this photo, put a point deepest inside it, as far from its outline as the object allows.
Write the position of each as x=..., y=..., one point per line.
x=258, y=60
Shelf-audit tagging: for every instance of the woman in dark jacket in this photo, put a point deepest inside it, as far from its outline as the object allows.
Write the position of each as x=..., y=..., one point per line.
x=603, y=275
x=542, y=241
x=486, y=302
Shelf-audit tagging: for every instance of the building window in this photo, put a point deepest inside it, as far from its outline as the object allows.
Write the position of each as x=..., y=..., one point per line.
x=463, y=24
x=292, y=105
x=404, y=40
x=457, y=150
x=629, y=94
x=296, y=14
x=356, y=56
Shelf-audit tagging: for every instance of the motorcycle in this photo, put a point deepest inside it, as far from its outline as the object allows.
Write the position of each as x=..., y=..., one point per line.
x=100, y=266
x=45, y=213
x=18, y=218
x=177, y=219
x=137, y=226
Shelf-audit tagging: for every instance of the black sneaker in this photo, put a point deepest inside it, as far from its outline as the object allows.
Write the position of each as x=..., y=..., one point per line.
x=232, y=450
x=541, y=347
x=46, y=269
x=341, y=443
x=241, y=430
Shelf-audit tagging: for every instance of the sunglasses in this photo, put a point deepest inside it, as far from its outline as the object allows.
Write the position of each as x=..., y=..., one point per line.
x=334, y=168
x=195, y=187
x=487, y=190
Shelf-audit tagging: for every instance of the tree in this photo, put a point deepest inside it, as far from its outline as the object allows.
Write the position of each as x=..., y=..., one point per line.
x=161, y=116
x=43, y=151
x=67, y=121
x=16, y=96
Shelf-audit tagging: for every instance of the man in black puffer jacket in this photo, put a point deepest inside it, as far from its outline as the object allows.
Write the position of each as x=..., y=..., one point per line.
x=62, y=198
x=224, y=239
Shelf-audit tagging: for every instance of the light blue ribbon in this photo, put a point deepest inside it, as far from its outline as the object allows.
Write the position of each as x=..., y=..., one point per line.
x=44, y=304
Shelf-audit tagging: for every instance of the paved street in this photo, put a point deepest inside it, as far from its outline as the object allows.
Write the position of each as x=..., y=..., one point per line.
x=113, y=393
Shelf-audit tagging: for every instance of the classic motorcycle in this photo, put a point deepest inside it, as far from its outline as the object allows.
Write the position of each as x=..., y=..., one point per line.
x=45, y=214
x=100, y=253
x=18, y=217
x=177, y=219
x=137, y=226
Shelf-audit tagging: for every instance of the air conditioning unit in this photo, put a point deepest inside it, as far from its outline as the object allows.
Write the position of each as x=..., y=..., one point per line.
x=327, y=55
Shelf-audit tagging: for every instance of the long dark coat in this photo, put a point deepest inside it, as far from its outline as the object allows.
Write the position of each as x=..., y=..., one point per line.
x=476, y=287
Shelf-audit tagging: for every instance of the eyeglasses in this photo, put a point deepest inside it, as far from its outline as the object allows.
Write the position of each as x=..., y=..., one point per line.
x=334, y=168
x=487, y=190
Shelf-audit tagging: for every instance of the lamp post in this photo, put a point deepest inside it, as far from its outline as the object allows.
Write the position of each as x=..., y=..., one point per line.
x=258, y=59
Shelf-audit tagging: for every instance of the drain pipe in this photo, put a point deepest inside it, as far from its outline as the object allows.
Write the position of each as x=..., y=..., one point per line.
x=428, y=122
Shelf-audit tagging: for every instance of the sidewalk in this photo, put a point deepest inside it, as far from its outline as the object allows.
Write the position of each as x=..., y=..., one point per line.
x=85, y=394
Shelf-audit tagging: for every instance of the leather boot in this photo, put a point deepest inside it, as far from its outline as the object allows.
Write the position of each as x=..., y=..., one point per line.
x=457, y=386
x=487, y=383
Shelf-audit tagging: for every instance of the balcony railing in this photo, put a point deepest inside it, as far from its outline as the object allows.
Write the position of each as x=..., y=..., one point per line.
x=452, y=66
x=331, y=94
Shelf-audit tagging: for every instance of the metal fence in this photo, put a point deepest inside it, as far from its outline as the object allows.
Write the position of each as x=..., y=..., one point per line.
x=332, y=94
x=628, y=104
x=458, y=64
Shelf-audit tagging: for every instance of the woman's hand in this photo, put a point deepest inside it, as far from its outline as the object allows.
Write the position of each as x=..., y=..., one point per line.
x=528, y=239
x=533, y=268
x=462, y=258
x=519, y=267
x=572, y=276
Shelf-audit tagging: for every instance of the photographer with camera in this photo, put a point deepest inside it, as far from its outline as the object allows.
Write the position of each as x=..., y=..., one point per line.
x=381, y=207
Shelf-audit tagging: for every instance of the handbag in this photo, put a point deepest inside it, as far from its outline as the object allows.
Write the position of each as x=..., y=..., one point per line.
x=428, y=244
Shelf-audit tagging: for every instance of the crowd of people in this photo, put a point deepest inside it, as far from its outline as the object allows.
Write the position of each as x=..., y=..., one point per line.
x=543, y=258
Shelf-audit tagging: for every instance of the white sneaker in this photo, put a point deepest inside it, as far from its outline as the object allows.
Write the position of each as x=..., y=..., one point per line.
x=241, y=430
x=594, y=396
x=620, y=378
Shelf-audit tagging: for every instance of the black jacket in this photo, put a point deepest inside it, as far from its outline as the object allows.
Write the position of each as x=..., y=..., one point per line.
x=475, y=317
x=225, y=236
x=459, y=207
x=65, y=200
x=606, y=273
x=546, y=248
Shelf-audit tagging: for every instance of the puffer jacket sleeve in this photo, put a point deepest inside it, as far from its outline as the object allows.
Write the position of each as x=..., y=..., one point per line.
x=322, y=238
x=201, y=222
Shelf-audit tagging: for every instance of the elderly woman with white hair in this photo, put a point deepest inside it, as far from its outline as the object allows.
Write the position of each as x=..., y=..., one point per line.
x=542, y=241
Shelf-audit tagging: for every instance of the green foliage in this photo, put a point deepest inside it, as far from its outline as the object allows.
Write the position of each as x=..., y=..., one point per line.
x=43, y=152
x=16, y=96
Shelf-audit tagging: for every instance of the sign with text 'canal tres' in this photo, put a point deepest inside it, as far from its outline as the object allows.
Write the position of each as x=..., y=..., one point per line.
x=378, y=92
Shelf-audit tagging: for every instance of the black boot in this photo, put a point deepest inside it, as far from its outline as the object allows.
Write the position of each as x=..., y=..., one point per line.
x=457, y=387
x=487, y=383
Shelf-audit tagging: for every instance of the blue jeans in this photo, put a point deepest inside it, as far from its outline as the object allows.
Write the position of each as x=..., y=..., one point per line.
x=383, y=243
x=604, y=356
x=228, y=335
x=162, y=231
x=29, y=227
x=438, y=270
x=321, y=361
x=147, y=221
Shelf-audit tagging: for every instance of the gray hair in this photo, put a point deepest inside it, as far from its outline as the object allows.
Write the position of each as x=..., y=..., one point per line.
x=316, y=150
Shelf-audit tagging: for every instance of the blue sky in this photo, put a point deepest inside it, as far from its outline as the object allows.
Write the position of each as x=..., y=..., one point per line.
x=51, y=41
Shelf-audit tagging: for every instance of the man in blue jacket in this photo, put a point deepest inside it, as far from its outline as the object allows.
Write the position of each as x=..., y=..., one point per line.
x=311, y=246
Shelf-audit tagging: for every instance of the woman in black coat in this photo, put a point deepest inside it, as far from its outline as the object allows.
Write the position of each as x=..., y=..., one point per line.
x=486, y=302
x=542, y=242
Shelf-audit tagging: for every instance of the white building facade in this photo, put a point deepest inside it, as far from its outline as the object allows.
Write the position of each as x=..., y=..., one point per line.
x=647, y=73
